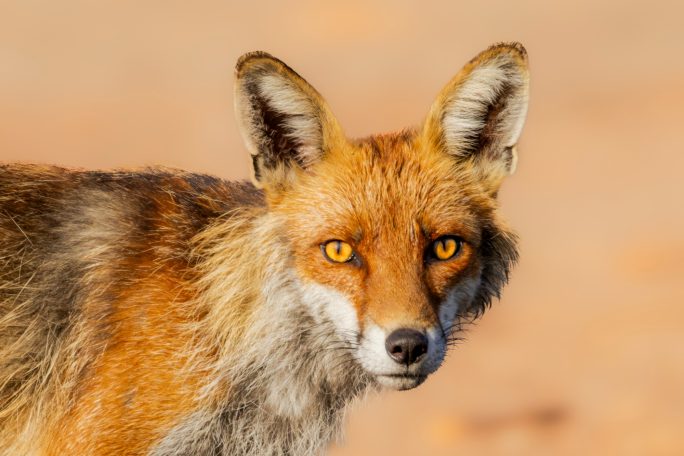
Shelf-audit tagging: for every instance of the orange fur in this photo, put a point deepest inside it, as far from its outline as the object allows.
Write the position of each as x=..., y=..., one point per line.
x=367, y=173
x=165, y=313
x=134, y=393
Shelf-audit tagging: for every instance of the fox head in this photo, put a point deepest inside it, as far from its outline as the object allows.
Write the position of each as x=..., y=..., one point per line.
x=394, y=238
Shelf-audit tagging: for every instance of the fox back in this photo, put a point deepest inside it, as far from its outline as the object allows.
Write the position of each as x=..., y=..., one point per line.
x=160, y=312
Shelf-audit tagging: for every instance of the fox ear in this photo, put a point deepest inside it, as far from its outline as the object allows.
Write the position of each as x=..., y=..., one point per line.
x=478, y=116
x=285, y=122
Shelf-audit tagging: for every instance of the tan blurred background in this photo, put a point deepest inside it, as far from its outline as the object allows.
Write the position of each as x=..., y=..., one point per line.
x=585, y=352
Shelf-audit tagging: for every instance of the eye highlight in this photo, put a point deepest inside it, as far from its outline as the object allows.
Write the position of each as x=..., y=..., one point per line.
x=337, y=251
x=445, y=248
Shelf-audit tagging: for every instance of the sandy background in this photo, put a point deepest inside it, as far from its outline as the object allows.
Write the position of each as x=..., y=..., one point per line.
x=585, y=352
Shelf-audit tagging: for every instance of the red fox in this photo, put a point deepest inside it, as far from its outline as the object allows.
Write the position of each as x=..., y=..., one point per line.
x=167, y=313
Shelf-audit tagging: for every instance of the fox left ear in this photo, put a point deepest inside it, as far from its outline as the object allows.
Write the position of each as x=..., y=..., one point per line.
x=479, y=115
x=284, y=121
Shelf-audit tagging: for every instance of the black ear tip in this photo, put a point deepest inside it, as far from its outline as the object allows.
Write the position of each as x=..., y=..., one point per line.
x=251, y=57
x=518, y=47
x=513, y=47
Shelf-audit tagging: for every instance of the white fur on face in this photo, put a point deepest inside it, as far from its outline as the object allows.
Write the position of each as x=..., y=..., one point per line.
x=373, y=356
x=328, y=303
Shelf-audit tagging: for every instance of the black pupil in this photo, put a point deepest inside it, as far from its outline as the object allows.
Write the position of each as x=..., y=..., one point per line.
x=442, y=244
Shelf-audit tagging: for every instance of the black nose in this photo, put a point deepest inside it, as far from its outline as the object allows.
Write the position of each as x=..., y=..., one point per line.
x=406, y=346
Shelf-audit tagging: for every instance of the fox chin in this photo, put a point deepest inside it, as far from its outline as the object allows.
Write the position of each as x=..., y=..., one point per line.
x=160, y=312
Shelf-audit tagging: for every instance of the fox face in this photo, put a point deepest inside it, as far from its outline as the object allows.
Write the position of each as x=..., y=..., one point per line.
x=395, y=238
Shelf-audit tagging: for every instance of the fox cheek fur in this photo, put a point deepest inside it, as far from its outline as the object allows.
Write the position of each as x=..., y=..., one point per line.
x=167, y=313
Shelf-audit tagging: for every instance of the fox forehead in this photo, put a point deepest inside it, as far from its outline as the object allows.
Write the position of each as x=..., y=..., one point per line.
x=385, y=186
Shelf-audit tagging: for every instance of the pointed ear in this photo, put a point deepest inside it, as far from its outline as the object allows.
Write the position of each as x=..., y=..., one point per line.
x=284, y=122
x=478, y=116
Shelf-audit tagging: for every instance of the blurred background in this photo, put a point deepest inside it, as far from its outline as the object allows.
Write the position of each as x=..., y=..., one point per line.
x=585, y=352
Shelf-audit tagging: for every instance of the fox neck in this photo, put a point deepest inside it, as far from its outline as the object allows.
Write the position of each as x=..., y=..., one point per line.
x=281, y=377
x=289, y=390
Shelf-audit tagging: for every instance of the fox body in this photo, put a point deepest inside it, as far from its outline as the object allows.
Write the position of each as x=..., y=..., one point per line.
x=167, y=313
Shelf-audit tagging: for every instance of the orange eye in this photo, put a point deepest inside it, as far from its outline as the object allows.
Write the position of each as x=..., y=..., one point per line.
x=338, y=251
x=446, y=247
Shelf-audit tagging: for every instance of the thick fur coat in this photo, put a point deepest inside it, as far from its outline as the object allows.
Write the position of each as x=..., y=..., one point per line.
x=165, y=313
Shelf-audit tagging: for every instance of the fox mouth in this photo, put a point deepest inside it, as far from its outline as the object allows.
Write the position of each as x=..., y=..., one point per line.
x=406, y=375
x=400, y=382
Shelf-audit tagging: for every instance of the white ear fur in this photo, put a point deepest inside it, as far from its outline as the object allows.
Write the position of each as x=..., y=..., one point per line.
x=283, y=120
x=481, y=112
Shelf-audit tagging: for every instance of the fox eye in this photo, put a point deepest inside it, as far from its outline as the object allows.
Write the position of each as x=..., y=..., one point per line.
x=445, y=247
x=337, y=251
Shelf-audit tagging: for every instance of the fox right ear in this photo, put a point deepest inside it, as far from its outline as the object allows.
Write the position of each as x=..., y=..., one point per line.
x=479, y=115
x=284, y=121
